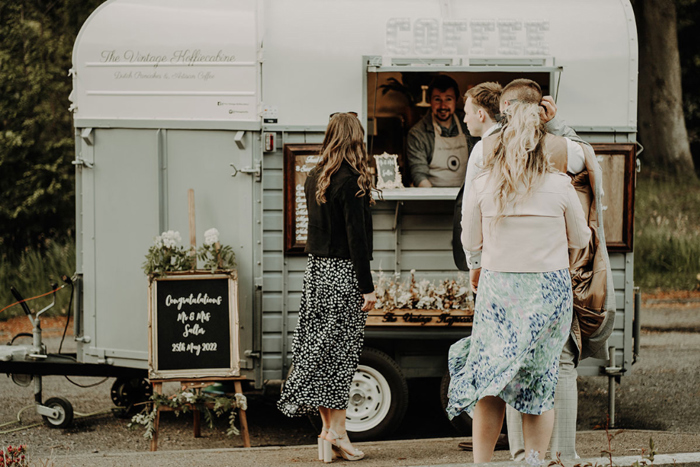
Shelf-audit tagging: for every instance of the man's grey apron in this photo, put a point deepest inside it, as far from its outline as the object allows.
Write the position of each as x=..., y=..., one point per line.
x=449, y=164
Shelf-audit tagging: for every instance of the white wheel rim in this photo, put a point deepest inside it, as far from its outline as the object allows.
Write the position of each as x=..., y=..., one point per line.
x=370, y=400
x=61, y=415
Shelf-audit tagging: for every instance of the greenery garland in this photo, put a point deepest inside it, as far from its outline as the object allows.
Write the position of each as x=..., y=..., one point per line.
x=185, y=401
x=166, y=255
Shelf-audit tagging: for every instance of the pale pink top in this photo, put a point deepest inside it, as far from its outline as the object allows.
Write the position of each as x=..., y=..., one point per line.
x=534, y=235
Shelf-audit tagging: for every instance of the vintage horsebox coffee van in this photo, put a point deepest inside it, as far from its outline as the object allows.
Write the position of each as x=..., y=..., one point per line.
x=231, y=100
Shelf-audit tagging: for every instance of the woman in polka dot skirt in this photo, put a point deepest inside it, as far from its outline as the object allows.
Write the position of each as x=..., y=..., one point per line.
x=337, y=290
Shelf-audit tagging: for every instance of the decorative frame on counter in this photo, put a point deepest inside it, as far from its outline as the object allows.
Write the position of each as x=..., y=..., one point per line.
x=299, y=159
x=388, y=175
x=618, y=163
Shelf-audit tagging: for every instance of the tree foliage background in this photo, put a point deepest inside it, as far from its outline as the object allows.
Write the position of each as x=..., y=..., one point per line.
x=36, y=134
x=689, y=48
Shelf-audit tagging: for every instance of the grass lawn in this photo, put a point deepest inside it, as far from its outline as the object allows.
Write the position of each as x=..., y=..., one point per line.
x=667, y=234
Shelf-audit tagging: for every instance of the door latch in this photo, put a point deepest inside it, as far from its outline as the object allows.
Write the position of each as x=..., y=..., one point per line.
x=256, y=170
x=82, y=162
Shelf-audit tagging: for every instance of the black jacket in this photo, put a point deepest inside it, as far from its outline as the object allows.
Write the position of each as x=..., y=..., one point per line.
x=342, y=226
x=457, y=249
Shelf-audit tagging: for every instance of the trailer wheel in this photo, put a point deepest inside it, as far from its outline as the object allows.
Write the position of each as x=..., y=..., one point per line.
x=463, y=422
x=378, y=397
x=65, y=412
x=127, y=392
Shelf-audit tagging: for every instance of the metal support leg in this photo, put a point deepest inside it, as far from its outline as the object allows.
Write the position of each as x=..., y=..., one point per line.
x=637, y=324
x=611, y=389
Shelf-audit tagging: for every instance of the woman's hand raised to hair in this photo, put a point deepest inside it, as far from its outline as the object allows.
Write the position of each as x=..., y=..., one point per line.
x=548, y=109
x=370, y=299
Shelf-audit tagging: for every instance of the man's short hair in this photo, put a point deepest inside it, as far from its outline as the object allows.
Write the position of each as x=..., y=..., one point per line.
x=487, y=96
x=524, y=90
x=442, y=83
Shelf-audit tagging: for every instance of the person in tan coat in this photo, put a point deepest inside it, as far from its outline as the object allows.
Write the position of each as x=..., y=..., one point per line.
x=524, y=215
x=594, y=316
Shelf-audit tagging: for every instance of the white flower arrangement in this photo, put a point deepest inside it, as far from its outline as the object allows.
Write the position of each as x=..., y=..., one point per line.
x=167, y=255
x=169, y=239
x=448, y=294
x=211, y=237
x=214, y=255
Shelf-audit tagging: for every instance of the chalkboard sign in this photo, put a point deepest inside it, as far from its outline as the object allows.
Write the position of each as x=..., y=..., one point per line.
x=299, y=159
x=193, y=324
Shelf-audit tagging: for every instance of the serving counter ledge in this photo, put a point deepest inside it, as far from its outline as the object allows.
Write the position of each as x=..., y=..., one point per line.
x=405, y=194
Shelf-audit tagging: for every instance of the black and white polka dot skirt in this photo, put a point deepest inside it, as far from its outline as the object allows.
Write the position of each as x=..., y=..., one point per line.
x=328, y=338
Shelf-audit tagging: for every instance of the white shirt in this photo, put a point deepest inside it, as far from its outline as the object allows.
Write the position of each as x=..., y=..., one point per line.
x=576, y=162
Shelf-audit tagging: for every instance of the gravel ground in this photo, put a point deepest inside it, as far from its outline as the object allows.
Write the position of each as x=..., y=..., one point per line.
x=661, y=393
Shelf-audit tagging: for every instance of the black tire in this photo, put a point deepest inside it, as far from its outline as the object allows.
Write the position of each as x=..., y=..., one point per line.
x=128, y=394
x=65, y=412
x=378, y=397
x=461, y=423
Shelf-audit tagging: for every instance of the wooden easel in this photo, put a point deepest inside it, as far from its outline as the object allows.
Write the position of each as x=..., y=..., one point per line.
x=195, y=383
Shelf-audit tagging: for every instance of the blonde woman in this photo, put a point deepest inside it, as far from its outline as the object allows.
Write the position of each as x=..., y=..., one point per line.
x=523, y=215
x=337, y=291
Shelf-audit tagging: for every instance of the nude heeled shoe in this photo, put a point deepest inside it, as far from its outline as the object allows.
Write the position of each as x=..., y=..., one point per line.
x=327, y=451
x=323, y=446
x=339, y=450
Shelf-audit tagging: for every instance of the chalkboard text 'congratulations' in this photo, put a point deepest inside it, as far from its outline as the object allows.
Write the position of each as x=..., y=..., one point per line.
x=200, y=299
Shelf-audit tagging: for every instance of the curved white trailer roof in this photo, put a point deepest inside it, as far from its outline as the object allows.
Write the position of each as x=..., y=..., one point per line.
x=311, y=54
x=149, y=62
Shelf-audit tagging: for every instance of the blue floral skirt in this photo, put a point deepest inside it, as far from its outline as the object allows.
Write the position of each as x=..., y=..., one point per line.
x=521, y=323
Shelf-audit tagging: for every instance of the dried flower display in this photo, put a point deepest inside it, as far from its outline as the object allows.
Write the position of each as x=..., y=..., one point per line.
x=447, y=294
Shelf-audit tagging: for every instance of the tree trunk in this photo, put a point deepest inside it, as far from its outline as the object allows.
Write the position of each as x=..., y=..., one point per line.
x=662, y=128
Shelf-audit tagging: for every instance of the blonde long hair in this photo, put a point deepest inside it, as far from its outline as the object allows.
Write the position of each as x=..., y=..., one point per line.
x=344, y=141
x=519, y=160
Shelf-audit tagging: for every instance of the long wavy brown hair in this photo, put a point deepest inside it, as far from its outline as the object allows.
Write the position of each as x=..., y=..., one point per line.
x=344, y=141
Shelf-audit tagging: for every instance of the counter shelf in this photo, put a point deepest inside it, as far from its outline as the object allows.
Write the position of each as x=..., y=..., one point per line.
x=416, y=193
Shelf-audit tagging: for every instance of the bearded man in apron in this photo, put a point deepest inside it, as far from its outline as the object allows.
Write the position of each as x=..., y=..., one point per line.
x=439, y=144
